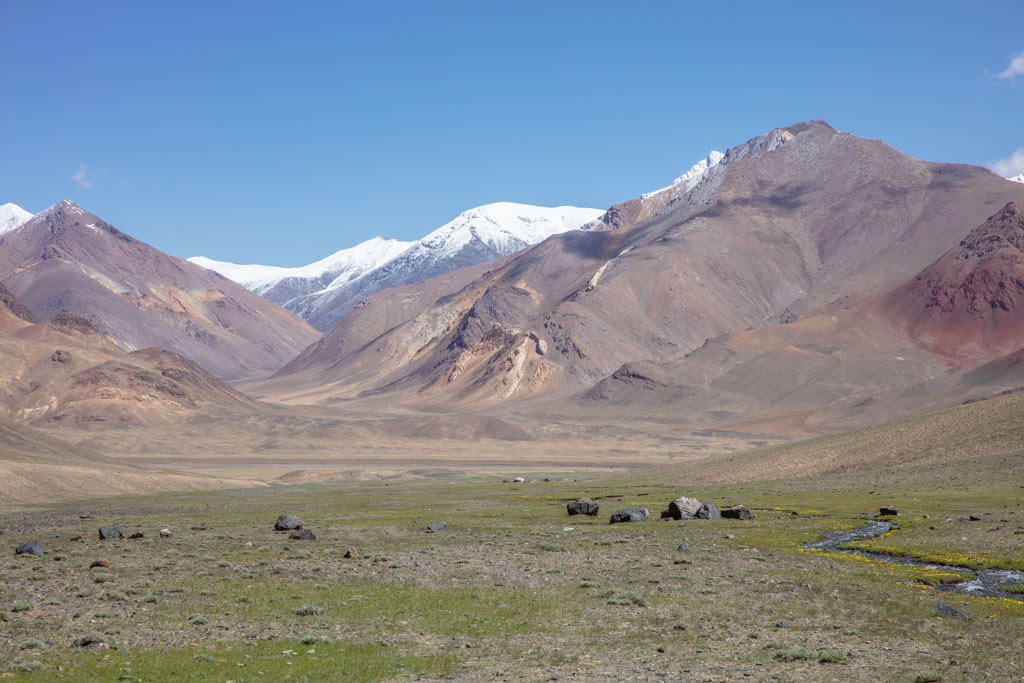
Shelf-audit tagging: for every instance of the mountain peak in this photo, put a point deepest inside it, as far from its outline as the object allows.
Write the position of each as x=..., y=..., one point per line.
x=1017, y=178
x=1002, y=230
x=12, y=216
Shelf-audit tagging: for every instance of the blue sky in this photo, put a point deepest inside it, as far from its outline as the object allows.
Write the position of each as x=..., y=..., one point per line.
x=275, y=132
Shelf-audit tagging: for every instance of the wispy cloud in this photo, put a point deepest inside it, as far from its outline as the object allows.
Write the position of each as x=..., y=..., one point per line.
x=1016, y=67
x=83, y=176
x=1010, y=166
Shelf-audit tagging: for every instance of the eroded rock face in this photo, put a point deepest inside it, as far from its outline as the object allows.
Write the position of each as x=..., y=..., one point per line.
x=630, y=515
x=109, y=532
x=582, y=506
x=682, y=507
x=287, y=523
x=737, y=512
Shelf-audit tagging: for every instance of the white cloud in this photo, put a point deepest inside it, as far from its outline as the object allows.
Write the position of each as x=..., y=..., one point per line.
x=1010, y=166
x=83, y=176
x=1016, y=67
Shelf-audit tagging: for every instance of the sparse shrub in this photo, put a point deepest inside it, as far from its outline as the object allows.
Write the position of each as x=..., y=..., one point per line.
x=307, y=610
x=94, y=639
x=792, y=654
x=927, y=677
x=315, y=640
x=31, y=645
x=589, y=584
x=101, y=615
x=21, y=607
x=51, y=602
x=100, y=578
x=553, y=547
x=149, y=599
x=830, y=657
x=82, y=593
x=26, y=666
x=198, y=619
x=244, y=598
x=114, y=596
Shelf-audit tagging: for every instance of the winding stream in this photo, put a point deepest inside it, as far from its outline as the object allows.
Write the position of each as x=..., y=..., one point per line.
x=986, y=584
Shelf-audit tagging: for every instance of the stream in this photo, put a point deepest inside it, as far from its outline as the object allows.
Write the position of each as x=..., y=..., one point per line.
x=986, y=584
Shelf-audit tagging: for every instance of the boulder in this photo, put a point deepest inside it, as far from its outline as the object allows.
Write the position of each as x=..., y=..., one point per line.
x=708, y=511
x=302, y=535
x=351, y=552
x=682, y=507
x=287, y=523
x=518, y=480
x=437, y=526
x=737, y=512
x=109, y=532
x=582, y=506
x=630, y=515
x=165, y=533
x=944, y=610
x=137, y=534
x=30, y=548
x=887, y=510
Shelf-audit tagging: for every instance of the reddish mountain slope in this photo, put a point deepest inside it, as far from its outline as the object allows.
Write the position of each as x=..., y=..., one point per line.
x=67, y=258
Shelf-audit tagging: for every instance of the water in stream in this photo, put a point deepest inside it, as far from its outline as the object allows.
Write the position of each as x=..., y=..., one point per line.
x=986, y=584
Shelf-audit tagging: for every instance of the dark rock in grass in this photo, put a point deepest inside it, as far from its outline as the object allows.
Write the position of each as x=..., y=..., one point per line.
x=302, y=535
x=708, y=511
x=202, y=526
x=887, y=510
x=737, y=512
x=95, y=641
x=109, y=532
x=137, y=534
x=30, y=548
x=683, y=547
x=350, y=553
x=582, y=506
x=437, y=526
x=630, y=515
x=944, y=610
x=783, y=624
x=287, y=523
x=974, y=517
x=682, y=508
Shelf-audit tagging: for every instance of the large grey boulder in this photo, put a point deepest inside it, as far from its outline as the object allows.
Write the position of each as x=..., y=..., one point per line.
x=287, y=523
x=737, y=512
x=30, y=548
x=582, y=506
x=682, y=507
x=708, y=511
x=109, y=532
x=302, y=535
x=434, y=527
x=630, y=515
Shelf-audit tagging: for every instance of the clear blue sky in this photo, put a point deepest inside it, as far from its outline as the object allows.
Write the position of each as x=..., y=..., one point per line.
x=277, y=132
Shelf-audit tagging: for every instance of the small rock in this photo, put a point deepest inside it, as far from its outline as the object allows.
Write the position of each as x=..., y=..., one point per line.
x=30, y=548
x=109, y=532
x=944, y=610
x=683, y=547
x=728, y=536
x=53, y=535
x=630, y=515
x=437, y=526
x=974, y=517
x=887, y=510
x=75, y=538
x=783, y=624
x=302, y=535
x=100, y=563
x=351, y=552
x=518, y=480
x=737, y=512
x=708, y=511
x=137, y=534
x=682, y=508
x=202, y=526
x=85, y=516
x=287, y=523
x=582, y=506
x=165, y=533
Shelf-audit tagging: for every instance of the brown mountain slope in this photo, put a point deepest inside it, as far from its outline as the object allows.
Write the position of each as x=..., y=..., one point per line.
x=67, y=258
x=794, y=219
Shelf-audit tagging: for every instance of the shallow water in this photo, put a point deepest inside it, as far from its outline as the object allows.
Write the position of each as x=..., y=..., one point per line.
x=986, y=584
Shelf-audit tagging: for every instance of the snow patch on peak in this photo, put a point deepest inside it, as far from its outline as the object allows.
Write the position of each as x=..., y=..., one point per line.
x=691, y=178
x=1017, y=178
x=12, y=216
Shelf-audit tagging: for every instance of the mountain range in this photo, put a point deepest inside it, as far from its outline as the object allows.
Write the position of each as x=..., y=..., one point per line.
x=324, y=291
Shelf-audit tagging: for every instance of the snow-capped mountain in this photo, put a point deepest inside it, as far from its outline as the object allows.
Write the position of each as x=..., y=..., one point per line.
x=324, y=291
x=12, y=216
x=689, y=180
x=1017, y=178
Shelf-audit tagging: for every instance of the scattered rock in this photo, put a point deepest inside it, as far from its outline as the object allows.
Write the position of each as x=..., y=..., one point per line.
x=582, y=506
x=518, y=480
x=100, y=563
x=783, y=624
x=708, y=511
x=682, y=508
x=728, y=536
x=683, y=547
x=165, y=533
x=109, y=532
x=137, y=534
x=887, y=510
x=75, y=538
x=302, y=535
x=437, y=526
x=737, y=512
x=53, y=535
x=30, y=548
x=287, y=523
x=351, y=552
x=202, y=526
x=630, y=515
x=974, y=517
x=944, y=610
x=85, y=516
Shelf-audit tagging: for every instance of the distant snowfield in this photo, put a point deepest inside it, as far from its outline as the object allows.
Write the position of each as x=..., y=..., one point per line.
x=12, y=216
